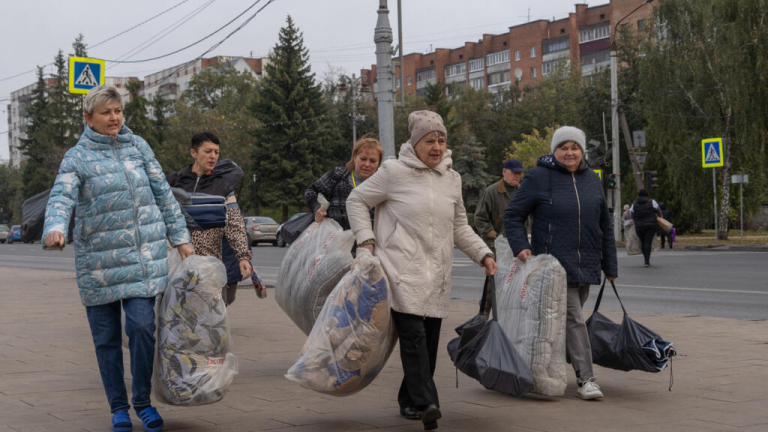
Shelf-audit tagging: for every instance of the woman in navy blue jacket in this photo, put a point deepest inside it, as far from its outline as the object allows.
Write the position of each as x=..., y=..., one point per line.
x=572, y=223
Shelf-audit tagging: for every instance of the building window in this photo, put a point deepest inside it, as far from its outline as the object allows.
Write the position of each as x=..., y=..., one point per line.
x=397, y=83
x=450, y=89
x=533, y=52
x=517, y=55
x=455, y=70
x=477, y=83
x=409, y=80
x=498, y=57
x=497, y=78
x=596, y=58
x=554, y=45
x=475, y=65
x=640, y=25
x=425, y=75
x=533, y=72
x=599, y=31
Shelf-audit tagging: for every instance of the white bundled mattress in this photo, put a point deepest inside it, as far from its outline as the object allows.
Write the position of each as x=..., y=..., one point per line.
x=532, y=299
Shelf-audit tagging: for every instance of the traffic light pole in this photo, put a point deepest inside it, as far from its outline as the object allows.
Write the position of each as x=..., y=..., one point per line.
x=631, y=151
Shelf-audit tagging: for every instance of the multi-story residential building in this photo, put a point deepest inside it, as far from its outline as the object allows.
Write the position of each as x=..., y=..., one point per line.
x=525, y=54
x=170, y=83
x=21, y=99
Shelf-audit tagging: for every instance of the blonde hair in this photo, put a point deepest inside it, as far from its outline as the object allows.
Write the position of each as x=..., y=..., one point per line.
x=99, y=96
x=361, y=145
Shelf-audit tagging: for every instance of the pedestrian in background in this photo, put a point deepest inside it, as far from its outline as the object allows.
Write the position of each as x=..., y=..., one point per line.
x=201, y=177
x=664, y=235
x=338, y=183
x=644, y=212
x=571, y=222
x=420, y=215
x=626, y=218
x=124, y=212
x=489, y=215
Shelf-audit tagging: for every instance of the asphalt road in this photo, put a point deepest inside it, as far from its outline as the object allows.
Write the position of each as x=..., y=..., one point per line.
x=722, y=284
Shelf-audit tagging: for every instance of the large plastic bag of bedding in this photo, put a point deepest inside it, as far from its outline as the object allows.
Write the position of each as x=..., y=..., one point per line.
x=311, y=268
x=194, y=364
x=633, y=241
x=353, y=335
x=532, y=312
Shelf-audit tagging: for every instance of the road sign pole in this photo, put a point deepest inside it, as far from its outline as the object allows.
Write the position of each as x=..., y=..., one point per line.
x=714, y=188
x=741, y=206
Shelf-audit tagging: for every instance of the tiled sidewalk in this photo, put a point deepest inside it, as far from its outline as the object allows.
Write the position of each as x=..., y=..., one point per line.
x=49, y=380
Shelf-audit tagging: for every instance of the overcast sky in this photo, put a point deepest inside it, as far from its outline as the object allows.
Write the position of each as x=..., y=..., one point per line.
x=338, y=33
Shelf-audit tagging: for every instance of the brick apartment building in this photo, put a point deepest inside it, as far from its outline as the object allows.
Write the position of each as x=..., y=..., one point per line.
x=526, y=53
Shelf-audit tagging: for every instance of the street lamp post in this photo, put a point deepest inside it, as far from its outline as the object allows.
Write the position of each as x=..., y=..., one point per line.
x=384, y=81
x=615, y=127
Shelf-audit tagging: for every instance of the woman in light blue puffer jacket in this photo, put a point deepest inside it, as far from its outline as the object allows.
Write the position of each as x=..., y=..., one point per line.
x=124, y=211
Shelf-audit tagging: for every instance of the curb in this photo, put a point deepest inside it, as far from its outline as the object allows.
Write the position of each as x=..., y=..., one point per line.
x=728, y=248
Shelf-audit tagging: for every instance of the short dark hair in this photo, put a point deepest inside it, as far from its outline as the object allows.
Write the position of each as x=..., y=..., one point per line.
x=199, y=139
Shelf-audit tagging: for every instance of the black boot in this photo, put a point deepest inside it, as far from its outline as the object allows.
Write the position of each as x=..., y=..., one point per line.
x=411, y=413
x=430, y=417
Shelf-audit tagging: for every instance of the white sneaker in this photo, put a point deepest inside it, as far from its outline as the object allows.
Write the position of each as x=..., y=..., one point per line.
x=589, y=390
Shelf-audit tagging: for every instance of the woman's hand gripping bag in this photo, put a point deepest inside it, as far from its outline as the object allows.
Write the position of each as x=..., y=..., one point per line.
x=532, y=305
x=311, y=268
x=354, y=334
x=194, y=364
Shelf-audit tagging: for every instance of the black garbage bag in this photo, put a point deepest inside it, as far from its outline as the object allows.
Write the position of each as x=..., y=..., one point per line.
x=293, y=229
x=33, y=218
x=626, y=346
x=482, y=351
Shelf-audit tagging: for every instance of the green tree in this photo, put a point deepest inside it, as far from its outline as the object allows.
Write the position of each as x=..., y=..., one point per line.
x=135, y=113
x=704, y=75
x=531, y=147
x=11, y=194
x=469, y=161
x=292, y=141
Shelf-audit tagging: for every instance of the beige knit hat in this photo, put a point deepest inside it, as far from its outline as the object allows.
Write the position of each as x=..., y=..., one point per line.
x=423, y=122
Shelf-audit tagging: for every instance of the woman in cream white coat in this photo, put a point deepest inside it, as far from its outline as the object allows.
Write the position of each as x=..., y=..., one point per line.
x=420, y=216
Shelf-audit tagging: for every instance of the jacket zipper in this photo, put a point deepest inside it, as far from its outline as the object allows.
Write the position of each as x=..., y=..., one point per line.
x=135, y=219
x=196, y=182
x=578, y=247
x=431, y=238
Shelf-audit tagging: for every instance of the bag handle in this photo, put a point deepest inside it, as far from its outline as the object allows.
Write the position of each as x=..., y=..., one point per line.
x=489, y=287
x=600, y=297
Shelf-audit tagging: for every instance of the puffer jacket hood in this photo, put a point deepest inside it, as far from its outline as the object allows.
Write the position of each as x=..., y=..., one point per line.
x=570, y=220
x=420, y=216
x=124, y=210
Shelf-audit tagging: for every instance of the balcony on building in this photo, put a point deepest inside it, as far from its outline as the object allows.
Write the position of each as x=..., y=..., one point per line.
x=556, y=51
x=455, y=77
x=595, y=47
x=423, y=78
x=498, y=70
x=167, y=90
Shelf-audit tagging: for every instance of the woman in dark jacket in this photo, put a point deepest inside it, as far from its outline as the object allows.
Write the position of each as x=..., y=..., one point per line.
x=570, y=222
x=644, y=212
x=203, y=177
x=337, y=184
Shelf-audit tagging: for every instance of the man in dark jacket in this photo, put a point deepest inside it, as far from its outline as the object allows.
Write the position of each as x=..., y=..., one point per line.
x=489, y=215
x=663, y=235
x=570, y=222
x=644, y=212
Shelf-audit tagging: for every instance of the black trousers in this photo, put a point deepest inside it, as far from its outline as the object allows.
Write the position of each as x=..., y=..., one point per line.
x=646, y=241
x=664, y=236
x=419, y=339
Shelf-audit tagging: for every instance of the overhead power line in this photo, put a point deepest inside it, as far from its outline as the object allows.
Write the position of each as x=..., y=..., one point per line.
x=163, y=33
x=216, y=45
x=198, y=41
x=139, y=24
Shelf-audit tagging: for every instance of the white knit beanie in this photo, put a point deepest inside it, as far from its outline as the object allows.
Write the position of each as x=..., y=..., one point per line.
x=569, y=133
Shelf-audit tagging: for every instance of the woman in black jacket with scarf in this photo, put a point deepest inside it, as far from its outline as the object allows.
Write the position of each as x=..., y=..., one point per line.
x=572, y=223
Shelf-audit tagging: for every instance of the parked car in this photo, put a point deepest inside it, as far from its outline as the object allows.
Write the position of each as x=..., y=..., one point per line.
x=4, y=233
x=280, y=242
x=15, y=235
x=261, y=229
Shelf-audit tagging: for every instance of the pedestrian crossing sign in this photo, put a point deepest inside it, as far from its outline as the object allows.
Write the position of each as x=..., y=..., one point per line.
x=712, y=152
x=85, y=74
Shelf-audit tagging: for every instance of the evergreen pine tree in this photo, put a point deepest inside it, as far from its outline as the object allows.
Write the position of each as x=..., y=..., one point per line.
x=290, y=151
x=469, y=161
x=135, y=113
x=38, y=170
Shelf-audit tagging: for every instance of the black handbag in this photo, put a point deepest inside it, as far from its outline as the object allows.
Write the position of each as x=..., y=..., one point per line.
x=626, y=346
x=483, y=352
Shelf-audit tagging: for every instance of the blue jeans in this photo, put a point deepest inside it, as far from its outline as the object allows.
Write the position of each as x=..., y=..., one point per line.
x=107, y=339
